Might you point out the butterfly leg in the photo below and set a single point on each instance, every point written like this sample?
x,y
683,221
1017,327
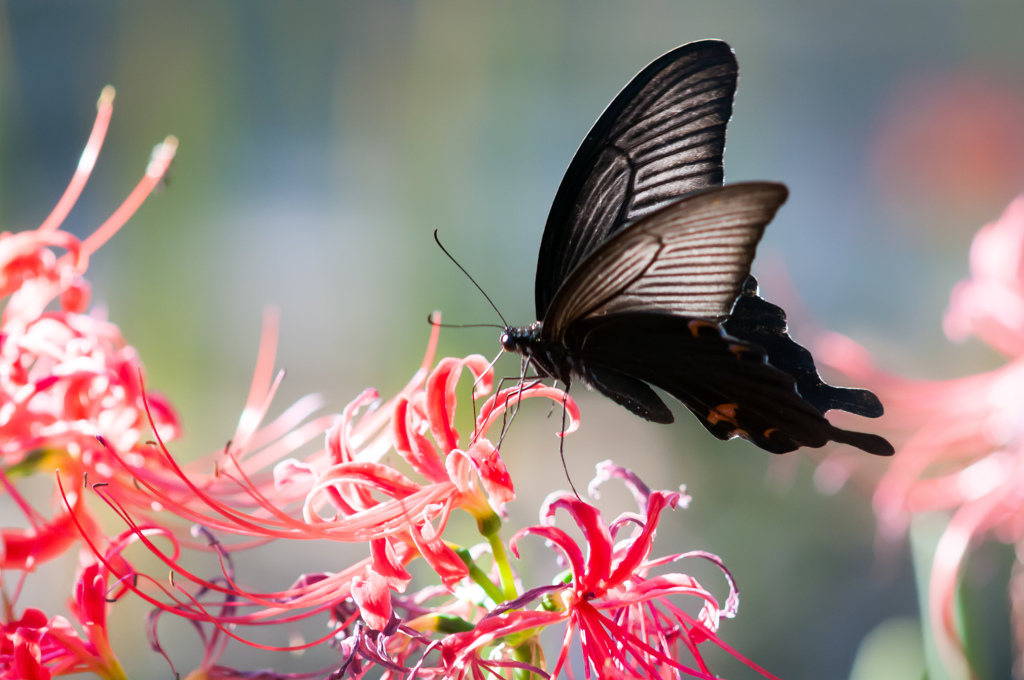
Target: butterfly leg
x,y
506,420
551,410
524,366
505,426
472,393
561,445
494,398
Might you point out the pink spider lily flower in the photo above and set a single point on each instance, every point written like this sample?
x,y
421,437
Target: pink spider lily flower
x,y
473,479
618,610
963,439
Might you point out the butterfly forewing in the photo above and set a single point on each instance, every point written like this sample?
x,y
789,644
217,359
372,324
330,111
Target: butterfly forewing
x,y
688,259
660,138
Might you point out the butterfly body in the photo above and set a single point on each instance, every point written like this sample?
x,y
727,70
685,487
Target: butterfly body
x,y
643,277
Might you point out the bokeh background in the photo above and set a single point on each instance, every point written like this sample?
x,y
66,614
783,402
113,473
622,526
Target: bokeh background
x,y
321,144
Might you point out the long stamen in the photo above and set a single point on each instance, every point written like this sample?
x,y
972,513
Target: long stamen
x,y
263,375
104,109
163,153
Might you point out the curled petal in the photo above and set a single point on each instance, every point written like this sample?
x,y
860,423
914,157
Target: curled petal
x,y
28,657
640,547
559,539
26,549
486,460
732,602
373,596
387,565
365,476
412,445
656,587
91,596
441,558
495,406
347,497
339,436
441,399
291,473
599,543
606,470
990,304
24,256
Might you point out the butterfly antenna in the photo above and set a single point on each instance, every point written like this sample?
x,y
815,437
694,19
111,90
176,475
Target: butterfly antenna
x,y
445,251
430,320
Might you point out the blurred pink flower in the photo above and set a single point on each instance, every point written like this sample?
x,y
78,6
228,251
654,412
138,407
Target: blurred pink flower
x,y
949,142
963,439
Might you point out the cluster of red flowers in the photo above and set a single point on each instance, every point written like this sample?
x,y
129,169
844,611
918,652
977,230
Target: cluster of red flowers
x,y
73,406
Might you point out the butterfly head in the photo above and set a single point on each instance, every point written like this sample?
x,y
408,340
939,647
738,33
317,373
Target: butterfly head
x,y
520,339
547,358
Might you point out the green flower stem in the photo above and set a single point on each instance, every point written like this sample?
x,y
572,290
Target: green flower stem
x,y
490,527
113,672
480,578
925,531
508,583
524,653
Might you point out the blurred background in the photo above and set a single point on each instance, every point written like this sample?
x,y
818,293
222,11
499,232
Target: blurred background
x,y
321,144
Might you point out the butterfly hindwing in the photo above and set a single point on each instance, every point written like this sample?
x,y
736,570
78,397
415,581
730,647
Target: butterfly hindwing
x,y
660,138
635,395
688,259
758,321
727,383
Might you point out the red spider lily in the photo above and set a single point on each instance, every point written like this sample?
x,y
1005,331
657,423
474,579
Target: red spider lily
x,y
66,378
370,502
34,648
627,626
964,442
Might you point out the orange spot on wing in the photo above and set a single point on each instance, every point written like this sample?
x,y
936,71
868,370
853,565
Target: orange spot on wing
x,y
723,413
698,326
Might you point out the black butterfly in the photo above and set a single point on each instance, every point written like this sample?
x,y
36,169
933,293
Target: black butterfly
x,y
644,272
